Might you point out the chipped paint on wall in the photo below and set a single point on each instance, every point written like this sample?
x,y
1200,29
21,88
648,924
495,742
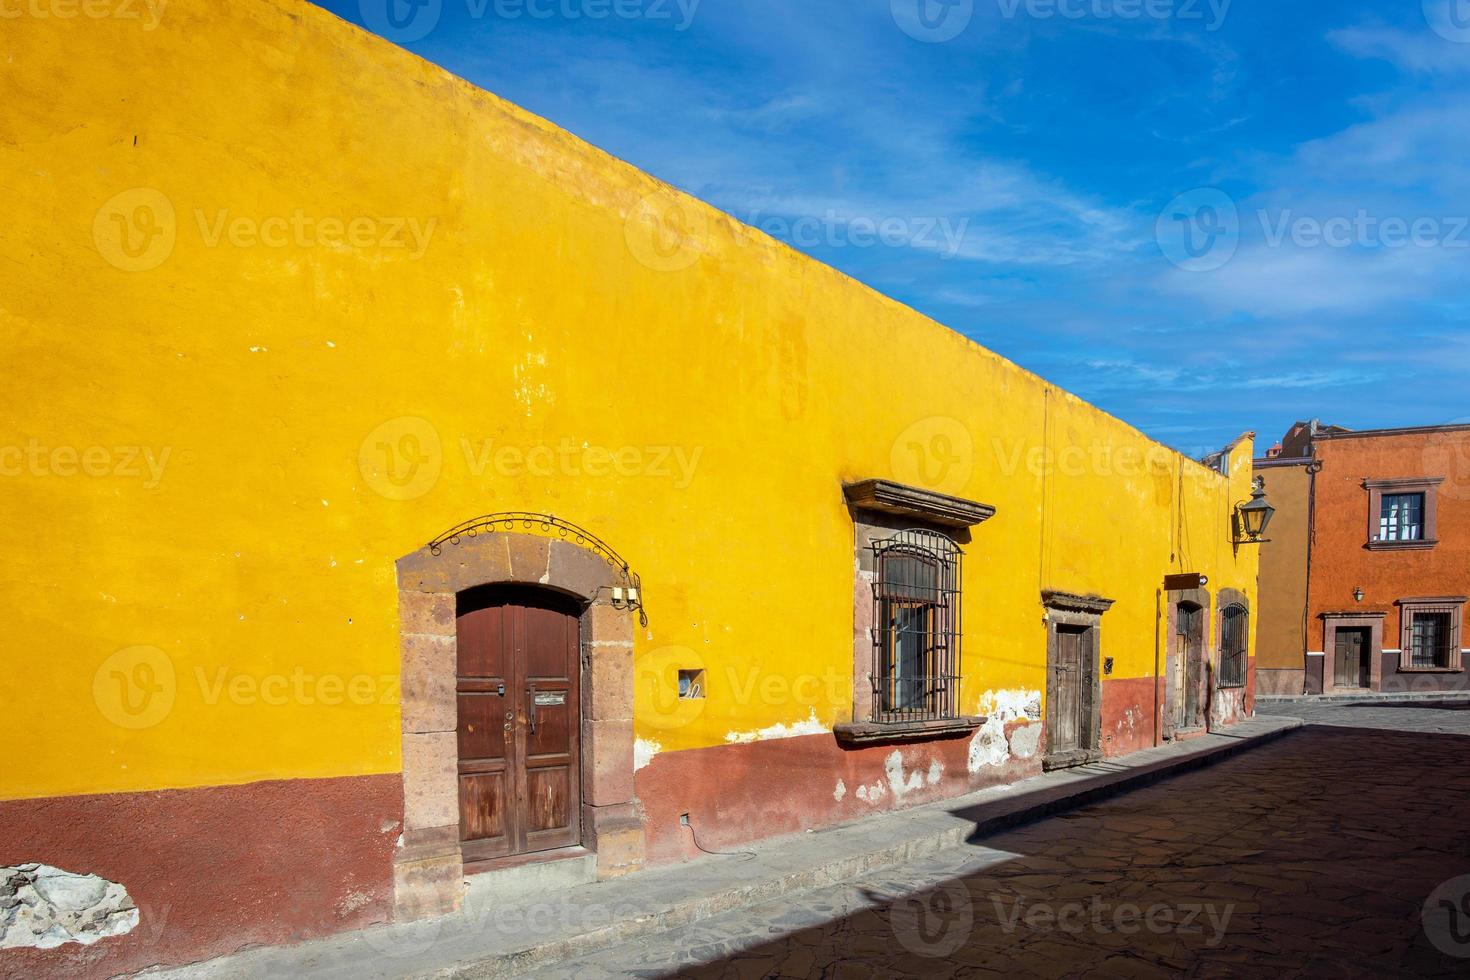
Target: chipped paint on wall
x,y
812,726
989,746
42,907
644,749
840,793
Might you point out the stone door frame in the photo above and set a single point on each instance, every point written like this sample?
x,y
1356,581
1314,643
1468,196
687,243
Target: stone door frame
x,y
1083,612
428,865
1173,661
1373,622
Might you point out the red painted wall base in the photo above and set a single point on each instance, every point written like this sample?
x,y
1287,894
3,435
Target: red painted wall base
x,y
213,870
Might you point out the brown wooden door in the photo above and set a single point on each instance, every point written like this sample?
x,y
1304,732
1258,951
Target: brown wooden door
x,y
519,724
1351,658
1068,699
1189,666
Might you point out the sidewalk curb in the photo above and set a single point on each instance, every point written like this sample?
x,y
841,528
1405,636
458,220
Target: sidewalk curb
x,y
510,941
915,848
1386,698
1127,783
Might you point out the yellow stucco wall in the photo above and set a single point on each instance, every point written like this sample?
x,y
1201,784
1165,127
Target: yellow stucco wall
x,y
195,419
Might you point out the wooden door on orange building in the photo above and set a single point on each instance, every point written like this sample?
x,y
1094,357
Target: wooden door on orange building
x,y
520,724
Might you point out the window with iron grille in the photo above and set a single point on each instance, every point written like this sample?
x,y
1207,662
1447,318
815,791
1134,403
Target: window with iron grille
x,y
1401,517
1234,646
916,631
1431,640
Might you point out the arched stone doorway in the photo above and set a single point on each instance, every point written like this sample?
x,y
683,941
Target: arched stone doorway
x,y
562,561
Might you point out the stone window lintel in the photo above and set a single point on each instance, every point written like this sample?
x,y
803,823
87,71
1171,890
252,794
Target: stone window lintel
x,y
887,497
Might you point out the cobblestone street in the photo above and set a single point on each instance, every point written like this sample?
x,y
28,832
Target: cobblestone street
x,y
1314,855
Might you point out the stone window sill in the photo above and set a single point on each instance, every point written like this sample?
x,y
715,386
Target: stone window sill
x,y
1431,670
872,732
1231,687
1402,545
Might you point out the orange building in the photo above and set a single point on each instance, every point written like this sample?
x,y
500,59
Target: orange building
x,y
1365,581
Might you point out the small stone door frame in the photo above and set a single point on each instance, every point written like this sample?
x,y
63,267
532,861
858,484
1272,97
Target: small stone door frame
x,y
1173,659
1085,612
1373,622
429,865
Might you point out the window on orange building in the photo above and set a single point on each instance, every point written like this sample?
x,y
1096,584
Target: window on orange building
x,y
1429,639
1401,517
1431,633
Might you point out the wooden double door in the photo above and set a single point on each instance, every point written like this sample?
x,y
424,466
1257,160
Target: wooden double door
x,y
520,722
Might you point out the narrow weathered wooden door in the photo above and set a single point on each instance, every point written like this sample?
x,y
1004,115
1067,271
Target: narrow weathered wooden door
x,y
1188,666
519,724
1068,701
1350,659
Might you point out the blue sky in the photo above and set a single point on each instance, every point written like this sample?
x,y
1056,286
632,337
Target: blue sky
x,y
1205,216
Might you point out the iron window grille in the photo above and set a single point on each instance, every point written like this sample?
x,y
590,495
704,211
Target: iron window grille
x,y
1234,646
916,632
1432,640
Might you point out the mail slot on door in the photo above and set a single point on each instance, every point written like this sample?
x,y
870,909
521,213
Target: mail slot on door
x,y
549,698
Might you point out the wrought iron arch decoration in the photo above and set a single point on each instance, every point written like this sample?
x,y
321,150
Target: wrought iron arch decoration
x,y
512,521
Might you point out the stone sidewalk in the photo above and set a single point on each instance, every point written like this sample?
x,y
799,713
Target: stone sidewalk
x,y
512,938
1373,697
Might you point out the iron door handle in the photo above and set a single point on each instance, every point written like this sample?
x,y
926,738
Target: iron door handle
x,y
531,707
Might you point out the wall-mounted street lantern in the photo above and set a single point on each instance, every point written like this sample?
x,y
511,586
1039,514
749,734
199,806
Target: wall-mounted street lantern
x,y
1254,516
1358,594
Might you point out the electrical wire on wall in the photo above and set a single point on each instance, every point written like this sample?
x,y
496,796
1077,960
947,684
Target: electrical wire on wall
x,y
1045,484
747,855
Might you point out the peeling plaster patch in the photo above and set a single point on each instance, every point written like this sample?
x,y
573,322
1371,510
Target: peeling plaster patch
x,y
529,390
1011,705
872,794
812,726
988,747
643,752
893,769
840,792
352,902
936,773
42,907
1026,742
